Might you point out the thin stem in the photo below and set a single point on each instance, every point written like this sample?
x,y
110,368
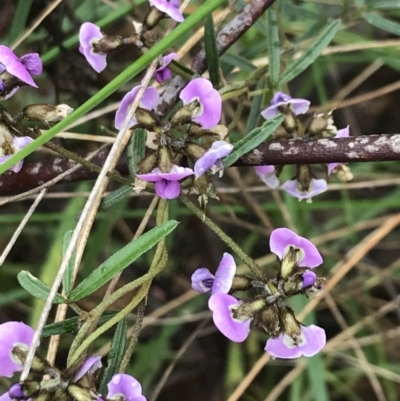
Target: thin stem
x,y
228,240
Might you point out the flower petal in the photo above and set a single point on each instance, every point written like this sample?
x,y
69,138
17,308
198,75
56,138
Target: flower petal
x,y
32,63
282,238
126,385
218,150
91,364
171,8
221,305
167,189
224,275
202,280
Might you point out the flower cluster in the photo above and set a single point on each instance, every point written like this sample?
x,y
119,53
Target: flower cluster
x,y
15,339
304,185
265,307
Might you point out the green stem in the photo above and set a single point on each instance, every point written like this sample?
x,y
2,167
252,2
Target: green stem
x,y
134,69
228,240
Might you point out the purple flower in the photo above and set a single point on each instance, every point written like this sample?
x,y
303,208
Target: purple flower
x,y
125,386
13,334
166,184
211,159
88,34
223,306
6,397
308,278
91,364
169,7
14,66
267,174
18,144
163,73
317,186
32,63
342,133
298,106
204,281
310,341
283,239
209,112
148,101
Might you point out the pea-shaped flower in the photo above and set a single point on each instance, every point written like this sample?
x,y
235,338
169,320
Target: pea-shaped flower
x,y
267,174
316,187
17,144
169,7
208,113
298,106
123,387
163,73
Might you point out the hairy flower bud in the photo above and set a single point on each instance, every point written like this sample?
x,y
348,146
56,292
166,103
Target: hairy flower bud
x,y
184,114
194,151
147,120
148,163
241,283
46,112
81,394
153,18
321,123
247,310
165,160
269,320
289,119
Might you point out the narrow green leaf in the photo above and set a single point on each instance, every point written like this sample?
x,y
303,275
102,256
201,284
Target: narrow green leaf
x,y
273,48
37,288
384,4
19,21
121,259
210,47
242,63
382,23
115,355
68,275
72,324
253,139
311,54
256,106
116,196
136,150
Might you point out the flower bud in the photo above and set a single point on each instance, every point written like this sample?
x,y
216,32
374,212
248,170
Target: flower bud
x,y
153,18
166,163
46,112
148,163
321,123
290,325
289,119
247,310
25,390
304,176
241,283
185,113
39,365
80,394
146,119
269,320
344,173
107,44
194,151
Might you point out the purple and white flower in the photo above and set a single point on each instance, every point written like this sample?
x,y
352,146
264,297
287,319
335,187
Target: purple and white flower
x,y
124,387
163,73
148,101
167,184
298,106
20,68
91,364
222,306
282,240
342,133
13,334
308,279
208,113
310,341
204,281
267,174
169,7
317,186
17,144
211,160
88,34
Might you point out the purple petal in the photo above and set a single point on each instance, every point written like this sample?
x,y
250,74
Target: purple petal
x,y
343,133
298,106
313,337
202,280
168,7
148,101
267,175
19,71
221,305
91,364
16,391
177,173
309,278
331,167
167,189
218,150
282,238
32,63
125,385
13,334
317,186
88,34
224,274
163,73
19,143
209,113
7,56
6,397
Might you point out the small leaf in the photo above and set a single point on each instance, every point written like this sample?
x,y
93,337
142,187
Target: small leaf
x,y
383,23
72,324
116,196
311,54
136,150
210,47
253,139
121,259
37,288
274,51
115,355
68,275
